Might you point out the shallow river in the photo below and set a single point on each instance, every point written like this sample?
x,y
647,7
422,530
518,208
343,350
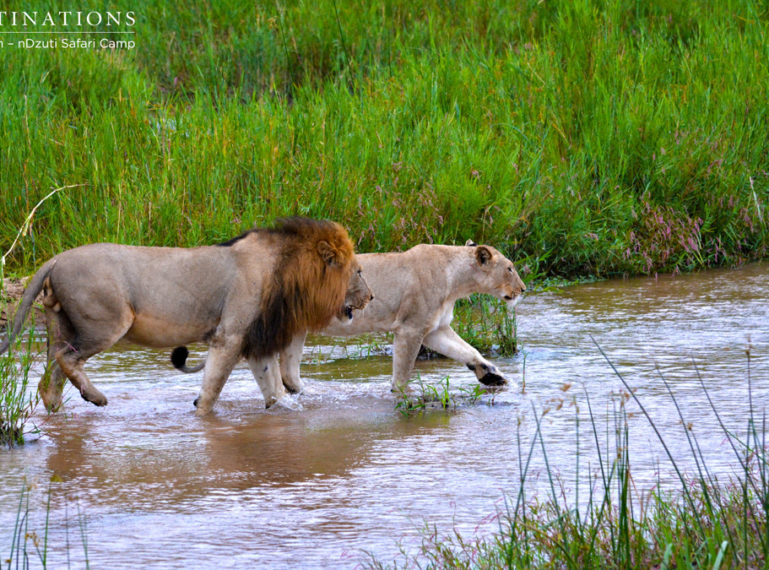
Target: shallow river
x,y
149,485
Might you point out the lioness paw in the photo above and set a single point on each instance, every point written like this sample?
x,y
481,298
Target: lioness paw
x,y
492,379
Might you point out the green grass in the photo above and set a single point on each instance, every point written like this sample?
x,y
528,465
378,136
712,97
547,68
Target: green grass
x,y
422,396
17,400
486,324
581,138
704,522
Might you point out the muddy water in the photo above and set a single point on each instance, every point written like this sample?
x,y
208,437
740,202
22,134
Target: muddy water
x,y
344,473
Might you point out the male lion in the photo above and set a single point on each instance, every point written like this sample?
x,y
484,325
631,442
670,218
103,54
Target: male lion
x,y
414,295
245,298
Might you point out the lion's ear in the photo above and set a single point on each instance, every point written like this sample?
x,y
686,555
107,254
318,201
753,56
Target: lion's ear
x,y
327,253
483,254
470,243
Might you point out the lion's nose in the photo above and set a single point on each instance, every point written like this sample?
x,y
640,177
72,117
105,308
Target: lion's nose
x,y
371,298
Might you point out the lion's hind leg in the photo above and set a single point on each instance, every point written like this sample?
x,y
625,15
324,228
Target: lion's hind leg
x,y
71,360
51,385
87,340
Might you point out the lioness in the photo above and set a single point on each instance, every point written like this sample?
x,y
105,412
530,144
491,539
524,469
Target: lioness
x,y
245,298
414,295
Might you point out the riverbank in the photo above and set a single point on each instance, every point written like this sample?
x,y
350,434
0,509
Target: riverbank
x,y
579,139
10,294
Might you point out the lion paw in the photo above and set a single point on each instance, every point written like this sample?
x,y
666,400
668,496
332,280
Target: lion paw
x,y
95,397
286,403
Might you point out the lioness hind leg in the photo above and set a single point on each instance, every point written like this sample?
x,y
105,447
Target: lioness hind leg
x,y
405,351
447,342
267,374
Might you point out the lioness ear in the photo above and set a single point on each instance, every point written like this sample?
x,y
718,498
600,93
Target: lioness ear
x,y
471,243
327,253
483,254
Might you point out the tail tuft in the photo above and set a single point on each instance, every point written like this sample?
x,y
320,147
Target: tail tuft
x,y
179,357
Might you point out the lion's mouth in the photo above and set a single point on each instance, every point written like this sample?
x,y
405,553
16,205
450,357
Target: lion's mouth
x,y
348,312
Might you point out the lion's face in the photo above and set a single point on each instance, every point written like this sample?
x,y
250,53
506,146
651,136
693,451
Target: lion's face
x,y
497,275
358,293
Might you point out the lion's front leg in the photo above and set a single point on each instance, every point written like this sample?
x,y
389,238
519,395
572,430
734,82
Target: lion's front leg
x,y
290,362
221,359
267,374
447,342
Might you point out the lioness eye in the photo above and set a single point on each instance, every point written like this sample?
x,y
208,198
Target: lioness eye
x,y
510,269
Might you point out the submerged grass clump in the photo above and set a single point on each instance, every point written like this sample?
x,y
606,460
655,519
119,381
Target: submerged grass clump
x,y
706,523
486,324
436,396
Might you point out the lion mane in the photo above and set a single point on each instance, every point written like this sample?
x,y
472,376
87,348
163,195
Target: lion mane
x,y
308,291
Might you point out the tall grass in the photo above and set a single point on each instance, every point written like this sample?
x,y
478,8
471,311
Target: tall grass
x,y
17,400
579,137
487,325
706,523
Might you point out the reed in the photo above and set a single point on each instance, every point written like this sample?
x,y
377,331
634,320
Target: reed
x,y
31,548
17,399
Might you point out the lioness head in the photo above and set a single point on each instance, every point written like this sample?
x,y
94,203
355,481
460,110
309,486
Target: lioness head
x,y
358,293
496,275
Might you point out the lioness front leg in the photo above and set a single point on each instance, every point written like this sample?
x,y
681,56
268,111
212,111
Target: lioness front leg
x,y
267,374
219,364
405,351
447,342
290,361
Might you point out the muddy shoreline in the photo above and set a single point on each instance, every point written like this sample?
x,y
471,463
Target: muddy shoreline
x,y
10,296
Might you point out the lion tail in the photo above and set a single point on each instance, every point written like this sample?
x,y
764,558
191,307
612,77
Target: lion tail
x,y
30,294
179,360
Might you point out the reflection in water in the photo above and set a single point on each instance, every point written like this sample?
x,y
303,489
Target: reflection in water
x,y
348,473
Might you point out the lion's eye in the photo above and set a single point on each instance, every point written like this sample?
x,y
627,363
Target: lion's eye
x,y
510,269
